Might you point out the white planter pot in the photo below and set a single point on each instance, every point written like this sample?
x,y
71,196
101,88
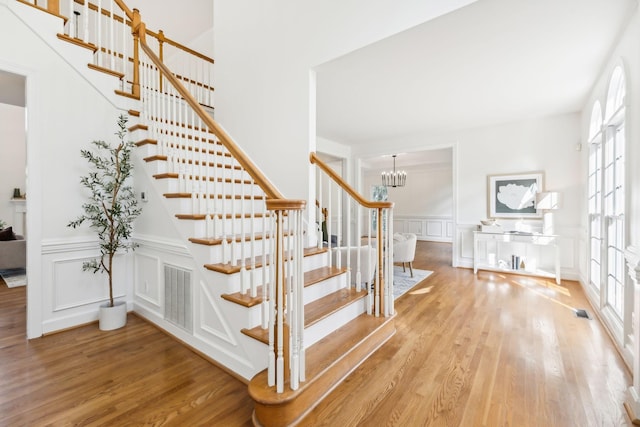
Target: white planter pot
x,y
111,318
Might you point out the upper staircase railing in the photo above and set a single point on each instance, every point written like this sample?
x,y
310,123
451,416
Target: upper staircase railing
x,y
360,247
104,26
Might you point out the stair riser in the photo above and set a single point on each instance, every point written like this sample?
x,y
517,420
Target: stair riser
x,y
174,185
311,293
214,255
163,166
184,205
217,227
324,288
319,330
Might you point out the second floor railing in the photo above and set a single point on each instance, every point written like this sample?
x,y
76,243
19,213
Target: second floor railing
x,y
105,27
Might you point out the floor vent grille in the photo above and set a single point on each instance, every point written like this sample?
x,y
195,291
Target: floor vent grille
x,y
582,313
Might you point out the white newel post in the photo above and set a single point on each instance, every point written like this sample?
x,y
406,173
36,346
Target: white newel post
x,y
632,399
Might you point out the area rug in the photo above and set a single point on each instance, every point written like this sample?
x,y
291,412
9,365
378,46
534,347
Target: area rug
x,y
14,277
402,281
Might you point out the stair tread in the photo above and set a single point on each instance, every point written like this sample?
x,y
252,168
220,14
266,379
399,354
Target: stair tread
x,y
138,126
173,175
228,268
149,141
78,42
310,278
214,241
326,355
105,70
159,157
315,310
198,217
211,196
127,94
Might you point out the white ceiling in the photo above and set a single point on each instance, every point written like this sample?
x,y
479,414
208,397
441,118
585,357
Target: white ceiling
x,y
494,61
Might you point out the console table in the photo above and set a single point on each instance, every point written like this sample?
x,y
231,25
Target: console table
x,y
496,263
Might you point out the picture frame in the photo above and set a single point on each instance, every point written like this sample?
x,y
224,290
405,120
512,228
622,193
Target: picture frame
x,y
514,196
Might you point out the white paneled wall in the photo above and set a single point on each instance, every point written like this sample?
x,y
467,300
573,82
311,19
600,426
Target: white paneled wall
x,y
432,228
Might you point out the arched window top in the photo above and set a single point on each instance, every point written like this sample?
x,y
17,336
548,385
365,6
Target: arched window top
x,y
616,92
595,125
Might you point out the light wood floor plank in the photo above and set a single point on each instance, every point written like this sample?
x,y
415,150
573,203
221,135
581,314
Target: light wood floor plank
x,y
486,350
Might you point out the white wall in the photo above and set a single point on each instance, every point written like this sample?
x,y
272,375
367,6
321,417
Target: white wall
x,y
189,23
265,52
13,158
428,191
544,144
59,294
424,206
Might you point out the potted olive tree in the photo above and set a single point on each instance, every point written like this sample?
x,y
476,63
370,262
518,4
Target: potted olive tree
x,y
110,211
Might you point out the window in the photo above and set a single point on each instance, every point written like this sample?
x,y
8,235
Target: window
x,y
606,194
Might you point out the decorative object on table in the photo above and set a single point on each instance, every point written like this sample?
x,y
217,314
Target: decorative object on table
x,y
16,193
514,196
394,178
547,202
490,225
111,210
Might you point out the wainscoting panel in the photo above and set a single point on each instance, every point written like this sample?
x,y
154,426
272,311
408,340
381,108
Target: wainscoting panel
x,y
431,228
74,288
146,288
71,296
212,320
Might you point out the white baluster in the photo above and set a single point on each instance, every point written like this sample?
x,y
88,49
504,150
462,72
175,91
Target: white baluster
x,y
85,23
111,46
369,263
389,304
125,38
252,242
98,27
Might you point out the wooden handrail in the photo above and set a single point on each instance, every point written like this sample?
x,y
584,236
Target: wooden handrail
x,y
159,35
346,187
124,7
261,180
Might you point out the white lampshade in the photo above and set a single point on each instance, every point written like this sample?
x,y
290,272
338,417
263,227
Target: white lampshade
x,y
548,200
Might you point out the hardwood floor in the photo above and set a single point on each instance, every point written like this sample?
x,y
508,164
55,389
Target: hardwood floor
x,y
491,350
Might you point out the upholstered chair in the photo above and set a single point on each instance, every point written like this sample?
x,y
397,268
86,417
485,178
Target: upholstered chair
x,y
404,249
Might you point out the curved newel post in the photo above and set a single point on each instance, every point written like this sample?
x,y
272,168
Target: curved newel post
x,y
286,324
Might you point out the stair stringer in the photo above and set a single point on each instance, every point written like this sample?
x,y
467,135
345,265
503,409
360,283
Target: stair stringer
x,y
46,27
214,332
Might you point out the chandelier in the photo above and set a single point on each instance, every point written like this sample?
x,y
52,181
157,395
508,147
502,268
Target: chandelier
x,y
395,178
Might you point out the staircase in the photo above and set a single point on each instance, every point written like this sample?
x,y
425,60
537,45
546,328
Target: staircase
x,y
305,319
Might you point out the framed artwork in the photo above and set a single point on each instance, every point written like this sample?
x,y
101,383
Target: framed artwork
x,y
514,196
